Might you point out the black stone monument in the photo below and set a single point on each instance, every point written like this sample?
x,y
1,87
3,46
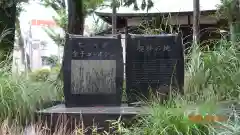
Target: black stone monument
x,y
93,71
153,61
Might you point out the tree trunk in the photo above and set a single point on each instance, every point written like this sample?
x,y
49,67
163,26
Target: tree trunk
x,y
75,23
196,15
114,17
75,17
7,22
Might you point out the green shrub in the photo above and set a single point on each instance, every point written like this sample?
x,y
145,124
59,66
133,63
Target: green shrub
x,y
56,69
40,75
216,71
21,97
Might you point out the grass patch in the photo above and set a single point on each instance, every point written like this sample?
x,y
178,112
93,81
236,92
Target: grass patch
x,y
20,96
211,78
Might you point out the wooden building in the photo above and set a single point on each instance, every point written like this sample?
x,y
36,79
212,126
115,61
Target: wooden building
x,y
168,16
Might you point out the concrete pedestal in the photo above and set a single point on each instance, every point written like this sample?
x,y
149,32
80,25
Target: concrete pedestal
x,y
87,117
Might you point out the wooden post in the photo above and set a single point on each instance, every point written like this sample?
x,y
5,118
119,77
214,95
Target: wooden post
x,y
114,17
196,16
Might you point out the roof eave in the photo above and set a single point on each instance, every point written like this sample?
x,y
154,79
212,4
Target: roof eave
x,y
130,15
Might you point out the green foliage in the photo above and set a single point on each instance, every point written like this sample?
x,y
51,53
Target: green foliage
x,y
89,6
229,9
21,97
56,69
4,33
59,6
10,3
55,36
145,4
51,61
61,19
215,71
40,75
167,121
99,26
7,22
158,25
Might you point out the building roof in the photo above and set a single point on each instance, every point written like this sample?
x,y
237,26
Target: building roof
x,y
163,7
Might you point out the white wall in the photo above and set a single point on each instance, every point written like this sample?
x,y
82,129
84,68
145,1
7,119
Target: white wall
x,y
175,20
30,33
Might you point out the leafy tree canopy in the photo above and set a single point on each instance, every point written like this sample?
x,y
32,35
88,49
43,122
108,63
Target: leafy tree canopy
x,y
10,3
91,5
145,4
229,9
88,8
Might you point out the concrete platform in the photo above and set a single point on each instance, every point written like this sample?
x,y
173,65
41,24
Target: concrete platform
x,y
87,116
122,110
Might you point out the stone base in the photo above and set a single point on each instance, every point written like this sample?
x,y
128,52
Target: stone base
x,y
84,117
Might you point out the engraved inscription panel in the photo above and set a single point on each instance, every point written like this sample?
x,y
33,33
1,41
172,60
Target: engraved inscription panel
x,y
161,71
93,76
154,61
